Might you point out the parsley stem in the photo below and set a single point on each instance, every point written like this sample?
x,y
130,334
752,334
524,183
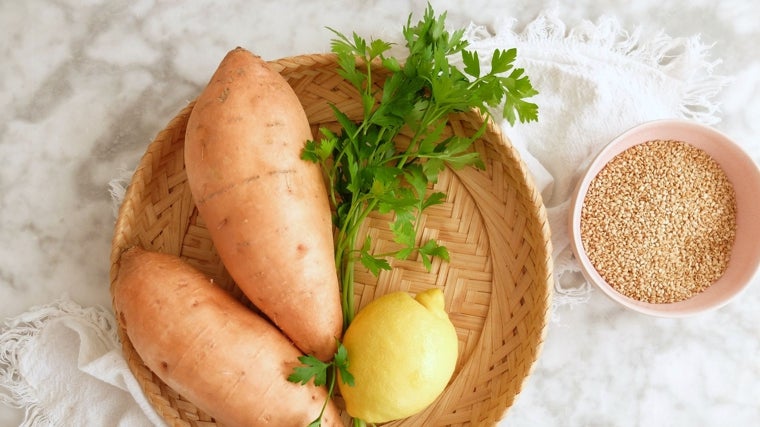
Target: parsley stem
x,y
424,124
345,247
330,390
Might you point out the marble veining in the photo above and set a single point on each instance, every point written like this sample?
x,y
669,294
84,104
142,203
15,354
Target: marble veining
x,y
85,86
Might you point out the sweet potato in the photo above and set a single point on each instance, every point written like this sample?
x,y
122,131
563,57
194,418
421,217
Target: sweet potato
x,y
223,357
266,209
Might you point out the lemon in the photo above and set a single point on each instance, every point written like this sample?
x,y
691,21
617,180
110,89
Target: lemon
x,y
402,352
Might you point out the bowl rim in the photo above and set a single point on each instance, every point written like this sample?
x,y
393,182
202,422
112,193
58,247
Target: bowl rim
x,y
667,128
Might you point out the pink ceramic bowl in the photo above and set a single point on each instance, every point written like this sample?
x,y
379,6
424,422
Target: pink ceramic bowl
x,y
744,176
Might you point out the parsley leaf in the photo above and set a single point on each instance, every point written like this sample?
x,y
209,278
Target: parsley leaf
x,y
312,368
341,362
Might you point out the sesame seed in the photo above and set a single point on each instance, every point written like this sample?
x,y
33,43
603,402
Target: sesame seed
x,y
659,220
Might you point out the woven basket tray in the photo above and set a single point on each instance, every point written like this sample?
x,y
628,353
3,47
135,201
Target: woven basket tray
x,y
497,284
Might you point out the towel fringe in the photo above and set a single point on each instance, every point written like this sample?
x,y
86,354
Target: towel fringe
x,y
17,335
681,58
117,189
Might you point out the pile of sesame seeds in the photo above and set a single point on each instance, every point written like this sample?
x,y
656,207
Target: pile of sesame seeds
x,y
659,221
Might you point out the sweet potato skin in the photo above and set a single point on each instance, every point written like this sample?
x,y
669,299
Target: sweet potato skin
x,y
207,346
267,210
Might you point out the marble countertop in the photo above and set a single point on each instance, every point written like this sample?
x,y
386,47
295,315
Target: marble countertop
x,y
86,85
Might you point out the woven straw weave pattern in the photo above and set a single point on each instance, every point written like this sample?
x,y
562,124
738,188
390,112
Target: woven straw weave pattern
x,y
497,284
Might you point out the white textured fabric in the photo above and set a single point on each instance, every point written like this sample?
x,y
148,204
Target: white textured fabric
x,y
63,364
595,81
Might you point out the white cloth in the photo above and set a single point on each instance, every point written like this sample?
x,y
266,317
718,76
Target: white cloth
x,y
595,81
63,364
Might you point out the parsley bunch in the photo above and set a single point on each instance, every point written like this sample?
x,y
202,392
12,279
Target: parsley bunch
x,y
385,161
367,167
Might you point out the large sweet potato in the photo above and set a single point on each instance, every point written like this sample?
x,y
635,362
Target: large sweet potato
x,y
266,209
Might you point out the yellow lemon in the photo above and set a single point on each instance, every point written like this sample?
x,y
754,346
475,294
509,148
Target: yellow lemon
x,y
402,352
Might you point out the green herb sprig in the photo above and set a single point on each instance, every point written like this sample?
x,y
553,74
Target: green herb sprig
x,y
313,369
368,168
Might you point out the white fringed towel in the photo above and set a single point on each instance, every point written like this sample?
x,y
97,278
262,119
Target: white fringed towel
x,y
63,365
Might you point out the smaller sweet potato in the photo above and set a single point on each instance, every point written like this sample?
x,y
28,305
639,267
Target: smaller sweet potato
x,y
207,346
